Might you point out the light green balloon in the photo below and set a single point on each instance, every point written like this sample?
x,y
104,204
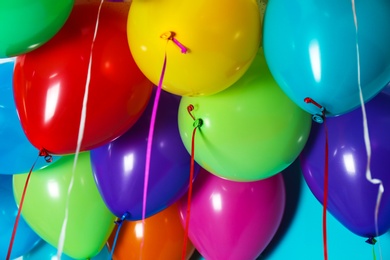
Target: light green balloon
x,y
27,24
250,131
89,224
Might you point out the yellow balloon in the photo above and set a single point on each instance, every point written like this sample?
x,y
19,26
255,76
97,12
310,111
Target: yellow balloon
x,y
222,38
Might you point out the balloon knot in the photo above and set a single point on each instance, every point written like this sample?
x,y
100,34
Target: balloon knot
x,y
124,216
371,241
48,158
316,117
171,36
198,122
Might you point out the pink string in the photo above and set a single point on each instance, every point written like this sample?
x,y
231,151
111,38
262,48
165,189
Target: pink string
x,y
149,145
151,128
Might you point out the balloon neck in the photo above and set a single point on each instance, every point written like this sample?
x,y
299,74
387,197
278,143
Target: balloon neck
x,y
371,241
171,36
44,153
318,118
123,218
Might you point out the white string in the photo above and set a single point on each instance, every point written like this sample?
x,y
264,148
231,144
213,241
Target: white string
x,y
61,241
367,142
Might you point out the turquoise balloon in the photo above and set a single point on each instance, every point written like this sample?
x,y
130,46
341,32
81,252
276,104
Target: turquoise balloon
x,y
25,238
313,50
17,154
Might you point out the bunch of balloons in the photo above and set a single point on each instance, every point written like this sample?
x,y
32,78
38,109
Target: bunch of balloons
x,y
127,127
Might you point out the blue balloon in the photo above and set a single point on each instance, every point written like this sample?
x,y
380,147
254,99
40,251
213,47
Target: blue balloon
x,y
300,233
25,237
311,48
17,154
45,251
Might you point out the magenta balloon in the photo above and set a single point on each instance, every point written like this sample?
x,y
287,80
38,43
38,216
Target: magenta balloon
x,y
233,220
119,167
352,198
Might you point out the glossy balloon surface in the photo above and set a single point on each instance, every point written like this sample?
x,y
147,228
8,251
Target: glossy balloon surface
x,y
222,38
314,49
352,198
53,85
89,221
26,25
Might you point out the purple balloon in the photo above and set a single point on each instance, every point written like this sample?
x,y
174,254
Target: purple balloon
x,y
119,167
351,197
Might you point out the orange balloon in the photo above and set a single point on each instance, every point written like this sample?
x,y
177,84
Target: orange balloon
x,y
163,238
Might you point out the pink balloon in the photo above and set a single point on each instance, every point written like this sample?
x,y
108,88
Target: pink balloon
x,y
233,220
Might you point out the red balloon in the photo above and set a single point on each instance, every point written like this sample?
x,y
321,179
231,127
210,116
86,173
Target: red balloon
x,y
50,82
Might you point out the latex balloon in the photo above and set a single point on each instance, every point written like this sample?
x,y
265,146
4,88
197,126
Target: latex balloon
x,y
89,221
46,251
17,153
300,233
50,83
119,167
251,131
222,38
162,234
314,50
25,237
387,89
233,220
26,25
352,198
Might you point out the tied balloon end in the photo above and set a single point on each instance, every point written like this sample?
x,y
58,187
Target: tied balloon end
x,y
123,218
45,154
371,241
171,36
198,122
318,118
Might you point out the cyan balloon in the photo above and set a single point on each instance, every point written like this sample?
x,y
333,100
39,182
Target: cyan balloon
x,y
17,153
25,237
312,48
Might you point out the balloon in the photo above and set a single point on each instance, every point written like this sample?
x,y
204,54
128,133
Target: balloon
x,y
163,237
233,220
387,89
17,153
44,251
50,82
312,48
119,167
352,198
222,38
251,130
26,25
300,233
89,221
25,237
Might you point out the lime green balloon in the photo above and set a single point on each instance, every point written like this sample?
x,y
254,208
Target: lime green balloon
x,y
250,131
27,24
89,224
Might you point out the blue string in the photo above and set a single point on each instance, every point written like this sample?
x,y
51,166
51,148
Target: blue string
x,y
119,223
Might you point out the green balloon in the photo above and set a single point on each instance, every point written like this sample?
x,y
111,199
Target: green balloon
x,y
27,24
251,131
89,224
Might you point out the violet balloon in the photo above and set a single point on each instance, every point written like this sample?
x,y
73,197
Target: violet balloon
x,y
233,220
119,167
352,198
